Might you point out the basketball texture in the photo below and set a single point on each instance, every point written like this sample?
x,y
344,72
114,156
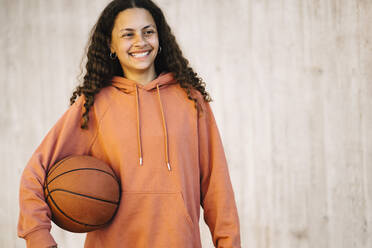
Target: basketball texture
x,y
82,192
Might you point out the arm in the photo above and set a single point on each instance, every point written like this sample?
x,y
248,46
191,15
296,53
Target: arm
x,y
217,196
65,138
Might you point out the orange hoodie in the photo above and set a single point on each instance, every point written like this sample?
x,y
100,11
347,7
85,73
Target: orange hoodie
x,y
169,162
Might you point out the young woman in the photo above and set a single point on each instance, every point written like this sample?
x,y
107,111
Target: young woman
x,y
144,111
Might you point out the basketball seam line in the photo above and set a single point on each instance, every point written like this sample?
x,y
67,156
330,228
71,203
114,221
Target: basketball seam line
x,y
81,223
87,196
57,165
82,169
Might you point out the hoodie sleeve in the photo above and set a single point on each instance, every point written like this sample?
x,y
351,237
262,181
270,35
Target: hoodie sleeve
x,y
217,196
65,138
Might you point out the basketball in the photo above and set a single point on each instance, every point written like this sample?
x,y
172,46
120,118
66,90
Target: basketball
x,y
83,193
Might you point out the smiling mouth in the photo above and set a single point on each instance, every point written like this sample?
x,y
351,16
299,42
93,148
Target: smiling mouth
x,y
140,55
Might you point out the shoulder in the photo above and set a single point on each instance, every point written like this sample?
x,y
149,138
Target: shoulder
x,y
100,105
204,105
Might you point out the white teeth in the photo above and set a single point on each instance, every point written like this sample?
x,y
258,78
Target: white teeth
x,y
140,55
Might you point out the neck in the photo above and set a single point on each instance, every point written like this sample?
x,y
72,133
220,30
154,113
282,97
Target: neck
x,y
140,76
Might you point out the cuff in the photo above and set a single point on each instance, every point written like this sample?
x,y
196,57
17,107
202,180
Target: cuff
x,y
40,238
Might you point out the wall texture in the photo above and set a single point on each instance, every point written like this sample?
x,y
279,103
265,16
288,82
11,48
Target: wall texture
x,y
291,81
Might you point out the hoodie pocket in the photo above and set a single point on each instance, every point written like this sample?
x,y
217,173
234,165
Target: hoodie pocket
x,y
154,219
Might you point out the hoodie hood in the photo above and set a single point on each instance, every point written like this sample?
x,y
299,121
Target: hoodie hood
x,y
128,86
163,80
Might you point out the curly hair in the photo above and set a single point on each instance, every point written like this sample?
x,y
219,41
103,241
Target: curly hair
x,y
100,68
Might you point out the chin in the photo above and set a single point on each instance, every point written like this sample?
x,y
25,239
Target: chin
x,y
143,67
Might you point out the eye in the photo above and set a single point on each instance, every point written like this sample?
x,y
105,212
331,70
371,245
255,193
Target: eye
x,y
149,32
127,35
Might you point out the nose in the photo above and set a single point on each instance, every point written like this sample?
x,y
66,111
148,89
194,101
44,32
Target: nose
x,y
139,40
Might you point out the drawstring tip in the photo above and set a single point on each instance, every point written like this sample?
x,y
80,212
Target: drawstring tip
x,y
140,160
168,166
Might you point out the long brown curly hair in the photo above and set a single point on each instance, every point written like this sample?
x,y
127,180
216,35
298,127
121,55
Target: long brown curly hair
x,y
100,68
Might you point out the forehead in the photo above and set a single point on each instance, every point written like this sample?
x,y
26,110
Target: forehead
x,y
133,18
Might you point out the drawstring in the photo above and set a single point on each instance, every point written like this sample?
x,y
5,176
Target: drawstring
x,y
164,129
138,129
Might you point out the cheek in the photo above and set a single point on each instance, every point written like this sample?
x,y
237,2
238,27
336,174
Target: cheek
x,y
124,47
154,41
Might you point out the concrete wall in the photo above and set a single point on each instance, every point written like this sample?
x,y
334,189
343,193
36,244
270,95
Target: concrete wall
x,y
291,81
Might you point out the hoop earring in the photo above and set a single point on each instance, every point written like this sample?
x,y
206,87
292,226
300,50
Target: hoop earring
x,y
159,49
113,56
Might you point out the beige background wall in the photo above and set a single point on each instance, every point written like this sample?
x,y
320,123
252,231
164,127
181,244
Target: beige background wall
x,y
292,86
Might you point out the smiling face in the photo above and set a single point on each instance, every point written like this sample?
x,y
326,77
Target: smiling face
x,y
134,39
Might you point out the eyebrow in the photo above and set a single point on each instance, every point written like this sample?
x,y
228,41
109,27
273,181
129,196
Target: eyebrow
x,y
131,29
